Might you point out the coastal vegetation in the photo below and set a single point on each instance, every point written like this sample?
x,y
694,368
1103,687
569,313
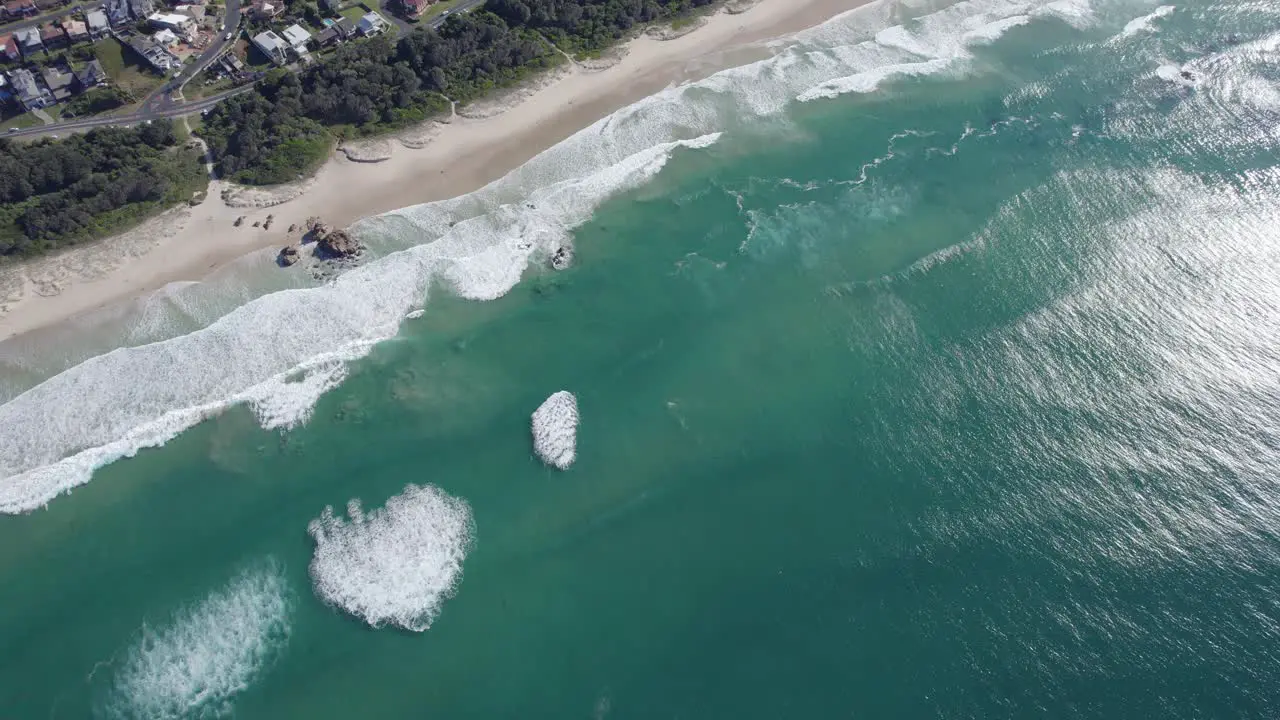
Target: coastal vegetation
x,y
285,128
56,193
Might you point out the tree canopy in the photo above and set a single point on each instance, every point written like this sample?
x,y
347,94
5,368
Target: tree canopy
x,y
54,193
284,128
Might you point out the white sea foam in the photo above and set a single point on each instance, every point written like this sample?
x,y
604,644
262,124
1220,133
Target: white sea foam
x,y
931,45
193,666
396,565
869,81
555,430
112,405
1146,23
281,352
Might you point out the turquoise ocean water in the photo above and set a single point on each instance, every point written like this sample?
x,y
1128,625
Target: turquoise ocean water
x,y
926,369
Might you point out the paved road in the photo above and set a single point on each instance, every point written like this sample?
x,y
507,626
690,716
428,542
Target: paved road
x,y
162,104
7,28
163,99
464,6
177,109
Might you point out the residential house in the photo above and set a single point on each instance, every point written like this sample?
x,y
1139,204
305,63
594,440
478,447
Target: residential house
x,y
266,9
170,21
15,9
52,36
30,93
415,8
60,83
97,23
140,9
155,55
297,38
371,24
76,31
117,11
28,40
9,49
232,64
195,12
91,75
346,28
328,36
273,46
165,38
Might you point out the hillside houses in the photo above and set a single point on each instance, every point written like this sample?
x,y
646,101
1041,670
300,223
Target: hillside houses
x,y
17,9
32,88
29,92
157,56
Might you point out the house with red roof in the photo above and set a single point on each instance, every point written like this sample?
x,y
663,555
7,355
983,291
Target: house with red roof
x,y
15,9
415,8
52,36
9,49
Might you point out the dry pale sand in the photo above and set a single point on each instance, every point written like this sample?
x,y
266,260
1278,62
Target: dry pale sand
x,y
435,162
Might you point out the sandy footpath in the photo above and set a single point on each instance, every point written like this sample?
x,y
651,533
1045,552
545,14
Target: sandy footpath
x,y
433,162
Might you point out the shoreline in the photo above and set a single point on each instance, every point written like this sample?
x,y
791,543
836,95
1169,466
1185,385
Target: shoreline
x,y
436,161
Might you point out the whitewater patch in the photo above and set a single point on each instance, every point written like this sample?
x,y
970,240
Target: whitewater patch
x,y
1146,23
396,565
555,430
937,43
281,352
194,665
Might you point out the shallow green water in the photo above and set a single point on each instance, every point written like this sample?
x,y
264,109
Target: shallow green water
x,y
954,399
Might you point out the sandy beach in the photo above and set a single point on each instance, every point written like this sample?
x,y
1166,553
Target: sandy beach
x,y
438,161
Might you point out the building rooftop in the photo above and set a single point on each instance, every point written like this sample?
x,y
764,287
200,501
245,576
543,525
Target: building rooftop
x,y
372,22
27,37
75,27
172,19
272,44
295,35
92,74
96,19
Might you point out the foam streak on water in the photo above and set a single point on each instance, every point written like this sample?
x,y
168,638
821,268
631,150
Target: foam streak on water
x,y
195,664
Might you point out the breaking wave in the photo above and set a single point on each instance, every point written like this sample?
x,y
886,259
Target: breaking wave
x,y
281,352
396,565
194,666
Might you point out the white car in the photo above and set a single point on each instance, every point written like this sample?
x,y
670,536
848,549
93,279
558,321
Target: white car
x,y
228,36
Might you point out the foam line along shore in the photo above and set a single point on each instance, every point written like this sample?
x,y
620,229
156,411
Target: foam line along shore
x,y
190,243
280,352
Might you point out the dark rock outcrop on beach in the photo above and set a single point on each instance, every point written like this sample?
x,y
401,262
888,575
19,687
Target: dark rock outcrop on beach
x,y
337,245
288,256
562,258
